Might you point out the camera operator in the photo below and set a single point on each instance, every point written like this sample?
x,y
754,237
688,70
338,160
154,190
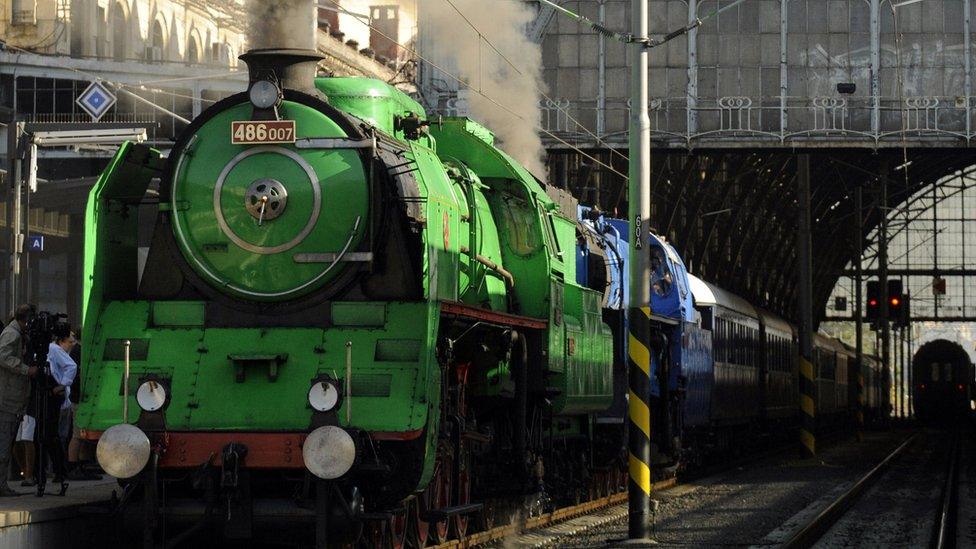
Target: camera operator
x,y
63,371
14,388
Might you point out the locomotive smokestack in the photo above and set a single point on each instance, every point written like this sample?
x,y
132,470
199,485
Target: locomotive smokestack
x,y
283,42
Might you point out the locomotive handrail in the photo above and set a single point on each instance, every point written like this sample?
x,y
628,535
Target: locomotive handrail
x,y
335,143
332,257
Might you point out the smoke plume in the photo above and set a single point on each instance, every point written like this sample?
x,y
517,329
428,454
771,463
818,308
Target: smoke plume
x,y
282,24
456,47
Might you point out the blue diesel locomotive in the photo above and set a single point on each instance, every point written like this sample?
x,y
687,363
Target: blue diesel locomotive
x,y
733,367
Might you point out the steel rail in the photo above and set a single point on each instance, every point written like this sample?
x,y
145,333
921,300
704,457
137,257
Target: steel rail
x,y
501,532
944,535
825,519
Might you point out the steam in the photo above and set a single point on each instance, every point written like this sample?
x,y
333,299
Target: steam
x,y
282,24
456,47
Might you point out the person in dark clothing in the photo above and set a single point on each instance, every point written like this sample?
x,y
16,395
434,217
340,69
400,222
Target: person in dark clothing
x,y
14,388
57,384
69,427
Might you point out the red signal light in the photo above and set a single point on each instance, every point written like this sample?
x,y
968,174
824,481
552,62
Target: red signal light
x,y
960,387
922,387
873,302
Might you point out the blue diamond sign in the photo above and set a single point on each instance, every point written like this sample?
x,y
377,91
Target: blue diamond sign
x,y
96,100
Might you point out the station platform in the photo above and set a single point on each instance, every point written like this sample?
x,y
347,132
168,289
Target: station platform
x,y
52,520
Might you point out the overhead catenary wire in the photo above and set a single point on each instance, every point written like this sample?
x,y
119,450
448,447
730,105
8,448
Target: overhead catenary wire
x,y
539,90
461,82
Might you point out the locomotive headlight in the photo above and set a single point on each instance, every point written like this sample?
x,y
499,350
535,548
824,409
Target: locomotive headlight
x,y
123,450
324,395
151,396
264,94
329,452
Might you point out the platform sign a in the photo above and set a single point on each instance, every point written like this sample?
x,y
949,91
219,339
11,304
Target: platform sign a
x,y
96,100
35,243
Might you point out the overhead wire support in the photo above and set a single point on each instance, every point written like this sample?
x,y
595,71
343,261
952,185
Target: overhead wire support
x,y
629,38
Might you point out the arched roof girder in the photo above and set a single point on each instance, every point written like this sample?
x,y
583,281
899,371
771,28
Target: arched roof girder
x,y
751,249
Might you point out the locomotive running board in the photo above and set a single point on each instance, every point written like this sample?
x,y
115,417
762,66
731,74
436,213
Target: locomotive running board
x,y
453,308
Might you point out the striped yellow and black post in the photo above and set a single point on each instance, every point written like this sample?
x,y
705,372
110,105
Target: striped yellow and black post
x,y
808,407
639,414
804,256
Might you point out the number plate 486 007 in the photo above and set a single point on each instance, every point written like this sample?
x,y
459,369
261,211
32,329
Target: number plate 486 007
x,y
253,133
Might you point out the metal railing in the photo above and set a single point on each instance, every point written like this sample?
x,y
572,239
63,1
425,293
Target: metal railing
x,y
801,120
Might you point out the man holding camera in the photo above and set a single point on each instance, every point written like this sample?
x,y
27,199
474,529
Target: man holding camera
x,y
14,388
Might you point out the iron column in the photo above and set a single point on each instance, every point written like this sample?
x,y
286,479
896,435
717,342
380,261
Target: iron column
x,y
15,131
692,91
859,308
601,94
911,371
875,67
639,355
804,255
883,284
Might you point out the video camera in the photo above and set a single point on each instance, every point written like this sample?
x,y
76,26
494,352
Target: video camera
x,y
42,328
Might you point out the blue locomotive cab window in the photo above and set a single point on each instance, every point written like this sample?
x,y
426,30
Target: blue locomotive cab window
x,y
661,278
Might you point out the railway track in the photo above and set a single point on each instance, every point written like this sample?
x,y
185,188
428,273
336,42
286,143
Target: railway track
x,y
499,533
852,518
945,534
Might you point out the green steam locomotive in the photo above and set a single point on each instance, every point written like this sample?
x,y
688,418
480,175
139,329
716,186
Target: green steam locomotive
x,y
324,307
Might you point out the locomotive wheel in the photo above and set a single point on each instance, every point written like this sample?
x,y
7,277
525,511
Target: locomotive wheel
x,y
459,523
441,498
418,528
398,528
487,515
375,534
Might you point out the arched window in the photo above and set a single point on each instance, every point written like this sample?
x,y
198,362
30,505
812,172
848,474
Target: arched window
x,y
158,36
80,27
192,52
157,44
119,28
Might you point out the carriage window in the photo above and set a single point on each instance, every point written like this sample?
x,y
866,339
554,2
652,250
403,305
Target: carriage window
x,y
720,355
947,371
935,371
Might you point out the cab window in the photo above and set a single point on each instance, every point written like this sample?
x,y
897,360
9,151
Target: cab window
x,y
661,278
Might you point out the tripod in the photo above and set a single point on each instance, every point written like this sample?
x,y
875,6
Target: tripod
x,y
47,408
